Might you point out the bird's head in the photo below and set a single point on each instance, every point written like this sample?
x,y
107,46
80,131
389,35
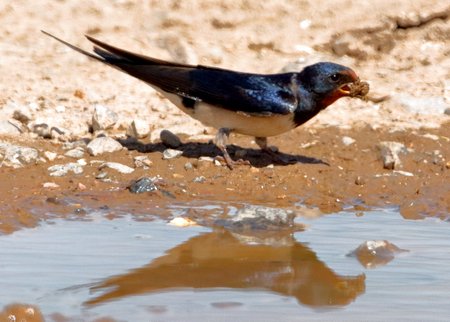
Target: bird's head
x,y
329,82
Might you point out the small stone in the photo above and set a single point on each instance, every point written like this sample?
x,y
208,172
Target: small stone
x,y
138,129
82,162
431,136
199,179
390,154
217,163
60,109
16,156
142,161
373,253
404,173
359,181
60,170
50,185
188,166
103,145
254,170
78,93
76,153
260,218
81,186
23,116
169,139
41,129
447,111
51,156
346,140
74,144
117,166
101,175
8,128
103,118
171,154
143,185
206,159
182,222
305,24
422,105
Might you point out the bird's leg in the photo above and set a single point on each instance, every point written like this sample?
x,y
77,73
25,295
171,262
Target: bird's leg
x,y
272,151
221,142
262,143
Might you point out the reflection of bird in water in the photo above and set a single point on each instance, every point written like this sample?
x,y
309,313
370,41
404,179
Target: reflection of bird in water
x,y
219,260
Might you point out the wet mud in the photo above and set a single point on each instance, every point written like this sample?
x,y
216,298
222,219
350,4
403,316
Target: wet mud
x,y
329,176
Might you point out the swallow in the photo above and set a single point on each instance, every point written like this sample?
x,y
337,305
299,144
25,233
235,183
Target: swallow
x,y
258,105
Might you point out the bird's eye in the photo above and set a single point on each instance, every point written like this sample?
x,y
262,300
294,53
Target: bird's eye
x,y
335,77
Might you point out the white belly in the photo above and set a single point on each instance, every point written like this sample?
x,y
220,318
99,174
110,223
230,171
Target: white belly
x,y
258,126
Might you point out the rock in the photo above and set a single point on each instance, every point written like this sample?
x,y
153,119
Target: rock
x,y
103,118
81,186
117,166
188,166
206,159
45,130
305,24
24,116
390,153
260,218
76,153
373,253
142,161
447,111
138,129
171,154
182,222
359,181
82,162
50,155
346,140
103,145
60,170
145,184
60,109
16,156
431,136
74,144
199,179
8,128
169,139
422,105
50,185
101,175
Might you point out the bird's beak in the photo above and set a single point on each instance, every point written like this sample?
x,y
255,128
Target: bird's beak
x,y
346,89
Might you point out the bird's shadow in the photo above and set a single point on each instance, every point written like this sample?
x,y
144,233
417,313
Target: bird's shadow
x,y
254,157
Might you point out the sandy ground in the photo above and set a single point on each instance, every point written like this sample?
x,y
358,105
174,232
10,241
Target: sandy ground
x,y
402,50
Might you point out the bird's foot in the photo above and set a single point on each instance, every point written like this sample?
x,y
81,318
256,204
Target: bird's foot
x,y
230,163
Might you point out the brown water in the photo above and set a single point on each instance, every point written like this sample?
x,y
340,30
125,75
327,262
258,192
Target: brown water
x,y
149,271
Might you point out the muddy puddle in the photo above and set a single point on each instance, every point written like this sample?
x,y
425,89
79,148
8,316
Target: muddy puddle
x,y
123,269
